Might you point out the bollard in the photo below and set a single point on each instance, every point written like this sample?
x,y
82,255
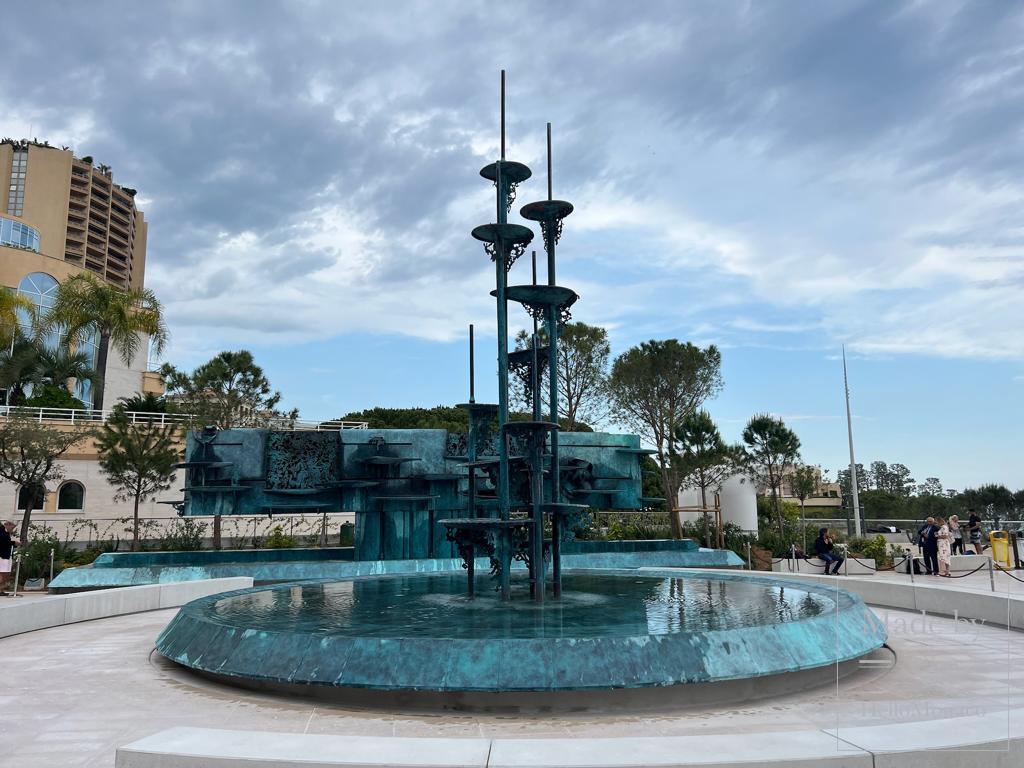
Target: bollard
x,y
792,559
846,562
749,566
17,574
51,566
991,577
910,567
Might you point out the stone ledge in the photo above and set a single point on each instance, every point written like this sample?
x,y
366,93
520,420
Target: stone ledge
x,y
200,747
812,565
1000,744
1000,608
56,610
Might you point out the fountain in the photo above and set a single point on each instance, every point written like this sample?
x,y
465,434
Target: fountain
x,y
539,636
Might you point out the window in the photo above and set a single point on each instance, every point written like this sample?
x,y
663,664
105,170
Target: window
x,y
18,235
19,166
23,498
41,288
71,497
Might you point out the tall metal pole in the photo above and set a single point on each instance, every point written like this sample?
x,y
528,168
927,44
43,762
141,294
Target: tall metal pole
x,y
552,318
853,461
501,275
471,440
472,377
549,162
535,375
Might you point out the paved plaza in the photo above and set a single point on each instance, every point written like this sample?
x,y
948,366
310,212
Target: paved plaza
x,y
73,694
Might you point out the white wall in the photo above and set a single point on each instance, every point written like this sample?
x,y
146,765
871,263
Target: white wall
x,y
738,498
123,380
99,503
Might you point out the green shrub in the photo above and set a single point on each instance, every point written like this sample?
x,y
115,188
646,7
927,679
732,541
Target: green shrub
x,y
35,555
877,549
638,526
53,396
183,535
278,540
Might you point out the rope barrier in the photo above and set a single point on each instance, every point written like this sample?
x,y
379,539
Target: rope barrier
x,y
962,575
1007,573
892,567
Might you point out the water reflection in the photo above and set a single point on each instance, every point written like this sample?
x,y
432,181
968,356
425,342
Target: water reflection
x,y
593,605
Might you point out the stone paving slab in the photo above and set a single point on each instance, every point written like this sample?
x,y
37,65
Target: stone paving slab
x,y
992,741
200,747
797,749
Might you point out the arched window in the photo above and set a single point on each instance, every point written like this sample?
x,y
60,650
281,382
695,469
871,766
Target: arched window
x,y
23,498
71,497
41,288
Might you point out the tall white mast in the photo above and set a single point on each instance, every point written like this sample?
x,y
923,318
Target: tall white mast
x,y
853,461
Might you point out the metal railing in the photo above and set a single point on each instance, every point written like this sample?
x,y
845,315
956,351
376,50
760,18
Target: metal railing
x,y
77,416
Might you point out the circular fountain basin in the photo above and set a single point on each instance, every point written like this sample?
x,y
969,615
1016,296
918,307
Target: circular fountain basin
x,y
609,630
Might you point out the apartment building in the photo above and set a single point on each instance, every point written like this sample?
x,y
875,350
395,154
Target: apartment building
x,y
62,215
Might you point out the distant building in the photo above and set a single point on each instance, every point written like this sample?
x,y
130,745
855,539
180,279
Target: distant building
x,y
61,216
738,500
826,501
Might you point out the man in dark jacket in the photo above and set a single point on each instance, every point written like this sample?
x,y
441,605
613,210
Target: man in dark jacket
x,y
823,546
928,541
7,545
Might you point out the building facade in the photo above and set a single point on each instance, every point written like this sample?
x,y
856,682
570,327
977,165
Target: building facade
x,y
60,216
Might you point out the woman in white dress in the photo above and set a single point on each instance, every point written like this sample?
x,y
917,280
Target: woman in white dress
x,y
945,540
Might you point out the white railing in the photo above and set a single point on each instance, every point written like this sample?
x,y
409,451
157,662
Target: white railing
x,y
317,426
77,416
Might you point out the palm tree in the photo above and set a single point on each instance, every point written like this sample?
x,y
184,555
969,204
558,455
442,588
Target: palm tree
x,y
13,309
18,367
59,366
85,304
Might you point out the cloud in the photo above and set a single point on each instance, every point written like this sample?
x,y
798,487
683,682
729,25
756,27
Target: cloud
x,y
743,175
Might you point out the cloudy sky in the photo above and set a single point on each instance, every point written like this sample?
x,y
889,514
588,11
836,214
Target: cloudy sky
x,y
775,178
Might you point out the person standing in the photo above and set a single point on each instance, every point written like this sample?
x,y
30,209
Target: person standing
x,y
823,546
927,540
956,544
974,530
7,545
943,546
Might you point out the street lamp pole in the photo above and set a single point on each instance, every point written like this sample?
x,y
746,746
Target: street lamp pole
x,y
853,461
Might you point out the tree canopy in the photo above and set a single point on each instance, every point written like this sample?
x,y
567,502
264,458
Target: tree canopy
x,y
583,355
448,417
228,391
703,460
771,446
137,459
85,304
654,386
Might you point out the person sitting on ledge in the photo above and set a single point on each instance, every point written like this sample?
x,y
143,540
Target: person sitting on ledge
x,y
823,548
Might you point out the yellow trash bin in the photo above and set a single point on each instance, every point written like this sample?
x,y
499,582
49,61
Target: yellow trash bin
x,y
1000,542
